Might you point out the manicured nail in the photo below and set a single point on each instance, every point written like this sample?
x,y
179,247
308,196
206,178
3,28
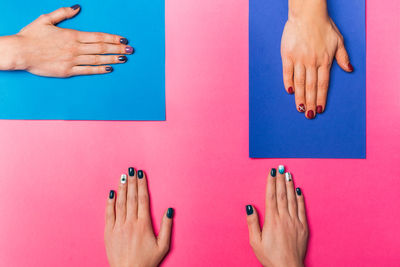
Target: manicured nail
x,y
319,109
288,177
123,41
140,174
298,191
170,213
123,178
302,108
290,90
129,49
109,69
310,114
281,169
351,68
112,194
75,7
273,172
131,171
122,58
249,210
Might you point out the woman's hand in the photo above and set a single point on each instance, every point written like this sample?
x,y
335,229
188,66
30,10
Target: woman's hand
x,y
310,42
283,238
44,49
129,236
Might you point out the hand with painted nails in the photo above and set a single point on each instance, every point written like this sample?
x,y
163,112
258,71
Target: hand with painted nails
x,y
310,42
44,49
129,237
282,241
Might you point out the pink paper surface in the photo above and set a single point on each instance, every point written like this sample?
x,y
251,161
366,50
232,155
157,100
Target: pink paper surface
x,y
55,175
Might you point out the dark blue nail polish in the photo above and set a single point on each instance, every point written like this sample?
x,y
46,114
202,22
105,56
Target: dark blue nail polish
x,y
170,213
109,69
273,172
298,191
75,7
122,58
131,171
140,174
129,50
249,210
123,41
112,194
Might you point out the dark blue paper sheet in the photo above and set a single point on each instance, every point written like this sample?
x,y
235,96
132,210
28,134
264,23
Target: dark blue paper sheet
x,y
277,130
134,91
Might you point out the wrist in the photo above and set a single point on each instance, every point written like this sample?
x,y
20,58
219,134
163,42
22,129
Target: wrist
x,y
307,9
11,53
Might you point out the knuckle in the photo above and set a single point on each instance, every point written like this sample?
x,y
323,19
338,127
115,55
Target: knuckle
x,y
96,60
326,59
143,198
253,242
271,196
120,204
98,36
282,196
323,84
299,81
44,17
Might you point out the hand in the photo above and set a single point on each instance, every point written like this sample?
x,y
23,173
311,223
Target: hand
x,y
283,239
310,41
129,236
48,50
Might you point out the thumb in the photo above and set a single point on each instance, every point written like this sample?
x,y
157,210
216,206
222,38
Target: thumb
x,y
342,58
254,226
63,14
164,236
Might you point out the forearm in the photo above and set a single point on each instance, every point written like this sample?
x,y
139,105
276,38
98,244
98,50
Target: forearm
x,y
11,53
309,8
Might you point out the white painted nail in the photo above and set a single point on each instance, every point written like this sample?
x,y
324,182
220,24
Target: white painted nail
x,y
281,169
288,176
123,178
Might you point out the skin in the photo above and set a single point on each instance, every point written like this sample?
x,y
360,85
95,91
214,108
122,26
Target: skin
x,y
44,49
129,237
282,241
310,42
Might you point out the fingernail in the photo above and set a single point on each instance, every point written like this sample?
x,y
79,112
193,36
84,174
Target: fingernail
x,y
351,68
109,69
273,172
288,177
290,90
75,7
123,41
249,210
129,49
122,58
298,191
112,194
123,178
170,213
302,108
131,171
310,114
140,174
281,169
319,109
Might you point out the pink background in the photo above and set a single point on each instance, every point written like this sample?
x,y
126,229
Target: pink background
x,y
55,175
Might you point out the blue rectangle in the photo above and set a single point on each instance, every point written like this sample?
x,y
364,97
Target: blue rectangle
x,y
277,130
134,91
